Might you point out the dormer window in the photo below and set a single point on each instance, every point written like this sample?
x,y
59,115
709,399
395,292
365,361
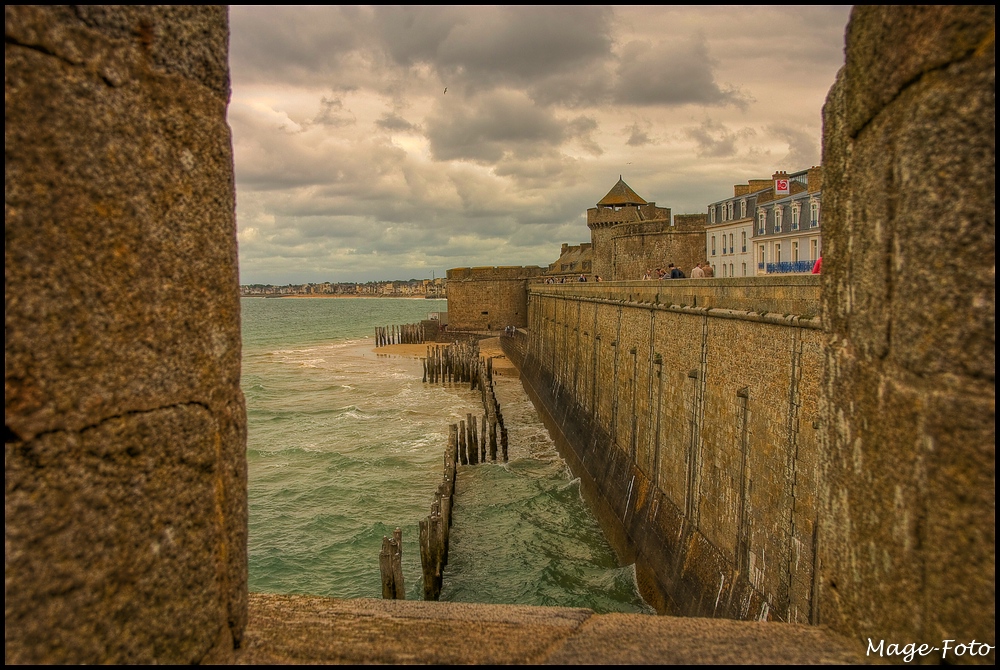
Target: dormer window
x,y
743,209
777,219
730,206
814,214
711,214
761,221
796,208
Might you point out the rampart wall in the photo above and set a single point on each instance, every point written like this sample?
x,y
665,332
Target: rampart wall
x,y
694,430
636,248
489,298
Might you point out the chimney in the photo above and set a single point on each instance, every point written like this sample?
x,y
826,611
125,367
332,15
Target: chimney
x,y
562,252
740,189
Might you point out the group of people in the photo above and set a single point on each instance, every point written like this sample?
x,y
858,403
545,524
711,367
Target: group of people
x,y
700,271
562,280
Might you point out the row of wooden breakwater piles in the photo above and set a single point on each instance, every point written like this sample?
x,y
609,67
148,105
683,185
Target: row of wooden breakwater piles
x,y
461,362
407,333
457,362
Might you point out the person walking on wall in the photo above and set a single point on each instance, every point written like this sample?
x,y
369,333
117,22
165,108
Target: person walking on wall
x,y
697,272
707,269
676,272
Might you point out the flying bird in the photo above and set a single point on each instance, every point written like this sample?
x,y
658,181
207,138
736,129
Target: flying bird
x,y
445,90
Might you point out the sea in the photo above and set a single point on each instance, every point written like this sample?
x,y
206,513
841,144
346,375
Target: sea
x,y
345,445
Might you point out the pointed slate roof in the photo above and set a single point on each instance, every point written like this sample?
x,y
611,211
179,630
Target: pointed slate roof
x,y
621,194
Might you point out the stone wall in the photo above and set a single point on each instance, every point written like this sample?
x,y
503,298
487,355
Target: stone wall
x,y
636,248
908,539
124,444
489,298
694,432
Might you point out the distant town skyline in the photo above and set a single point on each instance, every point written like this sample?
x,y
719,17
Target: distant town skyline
x,y
374,143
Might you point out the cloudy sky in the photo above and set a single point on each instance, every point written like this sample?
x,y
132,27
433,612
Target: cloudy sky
x,y
395,143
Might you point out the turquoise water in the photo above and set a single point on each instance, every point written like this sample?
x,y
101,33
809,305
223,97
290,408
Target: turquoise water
x,y
344,445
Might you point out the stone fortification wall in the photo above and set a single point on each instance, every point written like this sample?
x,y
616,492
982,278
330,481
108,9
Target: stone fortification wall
x,y
780,296
694,431
638,247
124,447
489,298
908,539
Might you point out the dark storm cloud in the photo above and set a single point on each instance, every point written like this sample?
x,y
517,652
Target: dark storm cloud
x,y
294,44
716,140
490,126
479,47
637,137
394,122
671,72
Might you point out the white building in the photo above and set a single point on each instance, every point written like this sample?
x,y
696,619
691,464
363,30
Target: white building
x,y
729,230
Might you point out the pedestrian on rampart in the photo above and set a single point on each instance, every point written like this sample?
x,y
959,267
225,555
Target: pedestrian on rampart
x,y
707,269
697,272
675,272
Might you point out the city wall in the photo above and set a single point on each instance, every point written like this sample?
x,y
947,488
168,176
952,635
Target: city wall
x,y
638,247
489,298
694,430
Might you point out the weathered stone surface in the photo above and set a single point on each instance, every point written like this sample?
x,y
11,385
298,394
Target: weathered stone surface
x,y
125,424
908,539
307,629
122,514
890,47
693,431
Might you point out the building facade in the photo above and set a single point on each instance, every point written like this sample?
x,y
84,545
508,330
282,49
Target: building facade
x,y
729,230
769,226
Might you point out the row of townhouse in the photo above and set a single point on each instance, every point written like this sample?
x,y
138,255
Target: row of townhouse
x,y
769,226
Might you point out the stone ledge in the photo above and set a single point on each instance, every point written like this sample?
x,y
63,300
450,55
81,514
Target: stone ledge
x,y
311,629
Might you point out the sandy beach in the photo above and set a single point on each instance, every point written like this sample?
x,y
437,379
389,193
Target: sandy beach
x,y
488,348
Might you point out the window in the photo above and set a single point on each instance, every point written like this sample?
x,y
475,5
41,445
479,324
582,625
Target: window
x,y
724,269
744,269
813,214
795,216
777,253
760,255
730,210
743,210
744,243
723,243
713,245
711,214
777,219
732,247
813,249
795,251
761,221
731,273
